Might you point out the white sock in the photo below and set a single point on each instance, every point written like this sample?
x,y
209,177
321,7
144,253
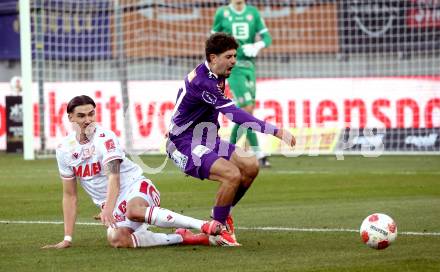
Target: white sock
x,y
145,238
167,219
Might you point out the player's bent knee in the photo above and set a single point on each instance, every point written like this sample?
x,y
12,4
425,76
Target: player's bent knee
x,y
250,167
136,209
134,214
226,172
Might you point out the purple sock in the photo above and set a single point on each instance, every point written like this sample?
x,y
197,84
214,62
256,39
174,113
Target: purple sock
x,y
221,212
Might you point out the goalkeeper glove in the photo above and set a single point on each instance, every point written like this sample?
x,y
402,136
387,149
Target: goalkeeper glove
x,y
251,49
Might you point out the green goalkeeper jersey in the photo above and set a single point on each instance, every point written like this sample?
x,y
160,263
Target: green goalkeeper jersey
x,y
244,26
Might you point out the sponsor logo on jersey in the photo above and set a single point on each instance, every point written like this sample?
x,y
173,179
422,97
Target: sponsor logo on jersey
x,y
209,97
249,17
240,30
102,135
87,170
75,155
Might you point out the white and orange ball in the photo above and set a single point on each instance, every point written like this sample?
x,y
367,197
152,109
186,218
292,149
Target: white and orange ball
x,y
15,84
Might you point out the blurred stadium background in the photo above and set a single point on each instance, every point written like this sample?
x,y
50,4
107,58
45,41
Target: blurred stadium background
x,y
334,67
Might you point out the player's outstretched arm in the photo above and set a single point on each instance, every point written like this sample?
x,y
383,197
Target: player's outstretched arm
x,y
69,211
286,136
239,116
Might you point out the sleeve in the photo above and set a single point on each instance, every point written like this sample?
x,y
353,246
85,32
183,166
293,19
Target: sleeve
x,y
66,172
240,116
217,24
110,148
262,29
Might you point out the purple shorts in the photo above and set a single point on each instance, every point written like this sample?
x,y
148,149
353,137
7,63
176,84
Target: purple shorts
x,y
196,159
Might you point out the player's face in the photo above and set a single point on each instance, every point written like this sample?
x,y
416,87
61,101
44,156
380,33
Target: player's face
x,y
82,118
237,2
222,64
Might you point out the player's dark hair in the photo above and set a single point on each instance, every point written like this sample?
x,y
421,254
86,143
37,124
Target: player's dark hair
x,y
79,101
219,43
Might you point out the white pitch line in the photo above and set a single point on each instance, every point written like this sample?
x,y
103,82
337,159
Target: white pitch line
x,y
321,172
331,230
48,222
240,228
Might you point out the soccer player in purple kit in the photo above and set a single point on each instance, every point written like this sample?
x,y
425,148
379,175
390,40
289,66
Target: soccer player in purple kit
x,y
194,144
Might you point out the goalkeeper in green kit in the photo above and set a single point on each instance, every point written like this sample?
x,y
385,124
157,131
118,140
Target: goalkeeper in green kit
x,y
245,24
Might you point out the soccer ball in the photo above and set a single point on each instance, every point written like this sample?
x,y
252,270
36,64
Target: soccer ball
x,y
15,84
378,231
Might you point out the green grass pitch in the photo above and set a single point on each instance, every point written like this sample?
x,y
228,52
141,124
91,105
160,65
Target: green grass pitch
x,y
301,195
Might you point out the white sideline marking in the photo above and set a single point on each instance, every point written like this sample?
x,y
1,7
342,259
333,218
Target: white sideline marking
x,y
48,222
331,230
335,172
4,175
240,228
312,172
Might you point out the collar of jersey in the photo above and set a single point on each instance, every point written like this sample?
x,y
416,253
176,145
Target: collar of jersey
x,y
209,70
236,11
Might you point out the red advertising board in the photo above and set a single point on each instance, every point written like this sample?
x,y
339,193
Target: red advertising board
x,y
334,103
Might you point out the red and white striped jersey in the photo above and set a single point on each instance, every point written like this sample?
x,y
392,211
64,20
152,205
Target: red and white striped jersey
x,y
85,162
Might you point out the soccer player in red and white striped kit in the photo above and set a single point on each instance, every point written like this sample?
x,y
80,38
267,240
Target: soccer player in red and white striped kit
x,y
92,156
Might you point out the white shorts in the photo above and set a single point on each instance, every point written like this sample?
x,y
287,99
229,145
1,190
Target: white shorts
x,y
142,188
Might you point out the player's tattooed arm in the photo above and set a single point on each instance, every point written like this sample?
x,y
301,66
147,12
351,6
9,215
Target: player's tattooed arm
x,y
112,167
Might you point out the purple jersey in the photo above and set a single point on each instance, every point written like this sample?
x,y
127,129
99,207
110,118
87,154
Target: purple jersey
x,y
202,99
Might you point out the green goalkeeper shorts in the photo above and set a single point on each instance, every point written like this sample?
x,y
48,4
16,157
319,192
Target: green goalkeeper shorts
x,y
242,84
